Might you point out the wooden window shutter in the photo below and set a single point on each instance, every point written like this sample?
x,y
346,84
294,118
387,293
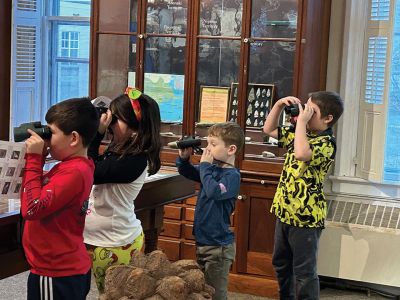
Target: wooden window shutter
x,y
374,91
25,62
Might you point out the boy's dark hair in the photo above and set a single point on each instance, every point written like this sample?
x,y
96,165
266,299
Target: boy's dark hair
x,y
231,133
76,114
148,138
329,103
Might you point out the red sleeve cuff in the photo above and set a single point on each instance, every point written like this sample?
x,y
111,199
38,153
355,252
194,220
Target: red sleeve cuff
x,y
34,160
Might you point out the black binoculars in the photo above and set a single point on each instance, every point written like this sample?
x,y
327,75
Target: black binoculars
x,y
102,103
21,133
187,142
293,110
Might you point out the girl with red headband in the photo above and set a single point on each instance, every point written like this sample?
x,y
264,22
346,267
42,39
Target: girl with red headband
x,y
112,231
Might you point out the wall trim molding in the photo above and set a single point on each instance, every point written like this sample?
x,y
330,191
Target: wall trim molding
x,y
350,85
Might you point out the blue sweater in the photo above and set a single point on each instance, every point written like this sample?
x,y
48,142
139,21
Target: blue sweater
x,y
215,203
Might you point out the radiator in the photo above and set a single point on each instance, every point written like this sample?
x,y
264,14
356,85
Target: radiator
x,y
361,241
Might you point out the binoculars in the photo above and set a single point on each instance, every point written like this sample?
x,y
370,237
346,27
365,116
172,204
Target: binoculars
x,y
21,133
187,142
293,110
102,103
101,110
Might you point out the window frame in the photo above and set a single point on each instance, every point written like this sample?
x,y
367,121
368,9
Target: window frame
x,y
50,51
345,180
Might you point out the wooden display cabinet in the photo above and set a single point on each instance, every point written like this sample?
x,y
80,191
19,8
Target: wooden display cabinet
x,y
171,49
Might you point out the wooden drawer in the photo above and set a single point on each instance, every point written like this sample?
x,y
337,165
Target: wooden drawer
x,y
191,201
172,229
187,231
172,212
189,214
172,248
188,251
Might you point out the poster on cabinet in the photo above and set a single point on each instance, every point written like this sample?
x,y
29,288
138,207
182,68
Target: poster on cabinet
x,y
213,104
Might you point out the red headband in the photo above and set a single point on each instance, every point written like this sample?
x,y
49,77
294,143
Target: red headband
x,y
134,95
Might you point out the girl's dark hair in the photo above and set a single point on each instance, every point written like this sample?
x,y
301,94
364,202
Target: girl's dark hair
x,y
147,138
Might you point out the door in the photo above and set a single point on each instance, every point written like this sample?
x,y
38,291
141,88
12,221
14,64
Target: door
x,y
255,227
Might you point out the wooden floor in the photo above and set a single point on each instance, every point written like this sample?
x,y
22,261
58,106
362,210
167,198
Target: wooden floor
x,y
253,285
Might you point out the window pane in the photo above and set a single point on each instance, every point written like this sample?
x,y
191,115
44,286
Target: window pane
x,y
114,15
218,62
274,19
112,64
273,63
74,53
70,60
73,40
218,68
72,8
165,55
73,80
392,154
164,81
167,17
270,78
221,18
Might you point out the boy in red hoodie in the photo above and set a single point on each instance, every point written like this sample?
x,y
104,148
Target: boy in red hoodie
x,y
54,204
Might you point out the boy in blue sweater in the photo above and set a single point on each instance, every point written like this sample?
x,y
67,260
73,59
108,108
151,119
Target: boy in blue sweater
x,y
220,182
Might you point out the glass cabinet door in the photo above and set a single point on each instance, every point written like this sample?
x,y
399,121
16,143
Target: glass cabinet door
x,y
270,66
116,44
272,47
164,62
218,62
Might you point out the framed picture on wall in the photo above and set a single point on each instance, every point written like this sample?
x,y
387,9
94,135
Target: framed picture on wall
x,y
213,104
258,103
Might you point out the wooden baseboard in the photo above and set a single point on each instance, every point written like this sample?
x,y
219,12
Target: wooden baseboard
x,y
253,285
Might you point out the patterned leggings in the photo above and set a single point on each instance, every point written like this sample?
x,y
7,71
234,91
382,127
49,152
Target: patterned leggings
x,y
104,257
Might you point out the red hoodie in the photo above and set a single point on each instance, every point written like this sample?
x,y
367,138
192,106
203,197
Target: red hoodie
x,y
54,207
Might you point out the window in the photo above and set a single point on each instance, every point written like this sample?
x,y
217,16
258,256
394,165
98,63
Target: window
x,y
379,158
50,58
69,43
69,49
368,159
391,170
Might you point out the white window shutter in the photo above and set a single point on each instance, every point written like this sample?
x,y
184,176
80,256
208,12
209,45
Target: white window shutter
x,y
25,62
375,89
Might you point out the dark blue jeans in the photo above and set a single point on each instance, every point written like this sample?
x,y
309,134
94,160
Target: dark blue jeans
x,y
295,261
58,288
